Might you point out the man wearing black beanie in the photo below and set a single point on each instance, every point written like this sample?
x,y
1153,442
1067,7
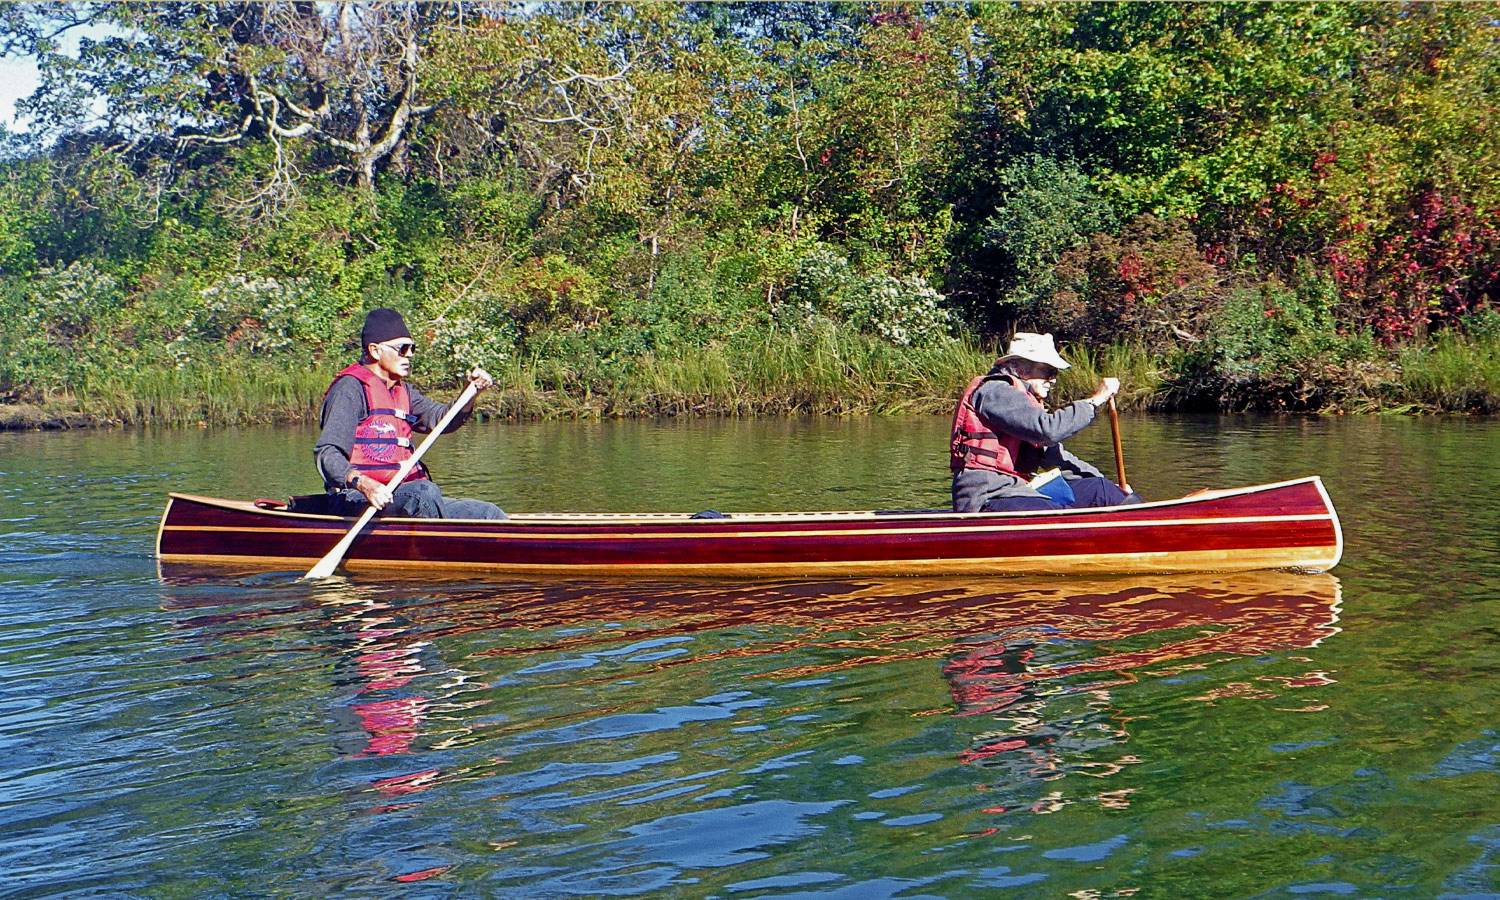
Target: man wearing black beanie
x,y
369,415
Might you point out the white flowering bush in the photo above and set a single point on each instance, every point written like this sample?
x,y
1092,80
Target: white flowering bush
x,y
905,311
66,304
58,324
818,279
259,314
478,335
820,276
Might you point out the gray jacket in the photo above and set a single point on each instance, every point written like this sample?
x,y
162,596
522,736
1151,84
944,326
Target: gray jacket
x,y
344,408
1006,409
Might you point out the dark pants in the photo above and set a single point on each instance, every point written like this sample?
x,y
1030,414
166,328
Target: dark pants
x,y
1087,492
419,500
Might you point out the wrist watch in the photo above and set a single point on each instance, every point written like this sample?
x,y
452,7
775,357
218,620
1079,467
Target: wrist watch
x,y
353,481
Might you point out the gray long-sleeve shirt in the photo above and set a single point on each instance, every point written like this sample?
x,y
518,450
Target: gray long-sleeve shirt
x,y
344,408
1006,409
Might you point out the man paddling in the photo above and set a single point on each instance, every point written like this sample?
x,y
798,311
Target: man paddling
x,y
369,415
1003,435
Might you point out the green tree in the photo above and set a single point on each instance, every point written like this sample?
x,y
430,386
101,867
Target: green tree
x,y
331,87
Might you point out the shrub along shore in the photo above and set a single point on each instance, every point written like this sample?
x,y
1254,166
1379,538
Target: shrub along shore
x,y
628,209
837,373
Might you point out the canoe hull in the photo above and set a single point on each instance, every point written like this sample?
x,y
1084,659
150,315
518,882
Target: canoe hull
x,y
1290,525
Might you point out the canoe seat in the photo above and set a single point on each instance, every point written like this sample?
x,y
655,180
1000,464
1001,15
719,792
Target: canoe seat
x,y
317,504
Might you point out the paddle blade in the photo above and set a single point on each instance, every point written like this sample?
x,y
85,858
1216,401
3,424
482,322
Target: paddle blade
x,y
324,567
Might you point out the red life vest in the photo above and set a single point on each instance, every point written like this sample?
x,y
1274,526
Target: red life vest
x,y
973,445
382,439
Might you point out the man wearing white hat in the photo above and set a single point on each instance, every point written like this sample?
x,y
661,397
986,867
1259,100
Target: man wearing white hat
x,y
1003,434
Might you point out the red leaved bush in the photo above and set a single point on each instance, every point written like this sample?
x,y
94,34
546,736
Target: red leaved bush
x,y
1150,285
1439,261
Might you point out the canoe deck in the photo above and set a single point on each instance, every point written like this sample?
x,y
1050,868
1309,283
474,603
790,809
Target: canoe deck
x,y
1288,525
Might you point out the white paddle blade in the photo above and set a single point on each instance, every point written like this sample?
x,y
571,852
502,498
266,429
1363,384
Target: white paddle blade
x,y
325,566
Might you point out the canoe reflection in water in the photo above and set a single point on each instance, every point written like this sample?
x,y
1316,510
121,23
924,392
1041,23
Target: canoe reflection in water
x,y
1034,660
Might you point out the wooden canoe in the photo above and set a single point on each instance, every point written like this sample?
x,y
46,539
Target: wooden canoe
x,y
1288,525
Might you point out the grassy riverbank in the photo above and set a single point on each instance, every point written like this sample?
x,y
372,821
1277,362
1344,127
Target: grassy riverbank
x,y
831,372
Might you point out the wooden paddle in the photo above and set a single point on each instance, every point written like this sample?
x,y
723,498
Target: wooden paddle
x,y
327,564
1114,429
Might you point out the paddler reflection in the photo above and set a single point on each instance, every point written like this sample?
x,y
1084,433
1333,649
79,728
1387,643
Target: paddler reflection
x,y
383,669
385,659
399,683
1044,684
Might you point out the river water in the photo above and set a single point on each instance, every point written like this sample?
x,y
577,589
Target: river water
x,y
188,732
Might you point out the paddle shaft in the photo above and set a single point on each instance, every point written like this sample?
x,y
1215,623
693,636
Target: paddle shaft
x,y
328,563
1114,430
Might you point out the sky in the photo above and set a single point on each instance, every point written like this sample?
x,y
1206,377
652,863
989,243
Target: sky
x,y
18,75
17,80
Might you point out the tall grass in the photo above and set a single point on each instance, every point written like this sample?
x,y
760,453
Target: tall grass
x,y
826,371
1455,373
830,371
237,393
839,371
1143,379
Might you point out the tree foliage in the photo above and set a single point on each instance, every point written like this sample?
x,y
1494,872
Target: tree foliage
x,y
588,181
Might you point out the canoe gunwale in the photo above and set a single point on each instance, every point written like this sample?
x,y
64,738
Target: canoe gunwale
x,y
604,518
1225,530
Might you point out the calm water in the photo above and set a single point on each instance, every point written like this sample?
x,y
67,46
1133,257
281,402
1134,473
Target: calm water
x,y
177,733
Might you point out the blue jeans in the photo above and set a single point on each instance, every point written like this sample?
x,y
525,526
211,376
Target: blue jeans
x,y
416,499
1087,492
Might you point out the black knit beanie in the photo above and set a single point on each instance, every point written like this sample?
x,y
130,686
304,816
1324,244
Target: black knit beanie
x,y
382,325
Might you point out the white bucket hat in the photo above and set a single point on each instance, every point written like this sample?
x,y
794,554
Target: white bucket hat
x,y
1036,348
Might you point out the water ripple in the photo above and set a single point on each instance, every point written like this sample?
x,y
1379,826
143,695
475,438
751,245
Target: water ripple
x,y
202,732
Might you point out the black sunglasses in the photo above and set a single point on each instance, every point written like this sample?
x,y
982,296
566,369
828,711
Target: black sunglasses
x,y
401,349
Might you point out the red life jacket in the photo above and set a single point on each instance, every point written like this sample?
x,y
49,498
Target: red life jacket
x,y
973,445
382,439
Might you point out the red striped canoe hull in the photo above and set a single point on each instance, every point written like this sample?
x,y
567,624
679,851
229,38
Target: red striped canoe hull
x,y
1290,525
